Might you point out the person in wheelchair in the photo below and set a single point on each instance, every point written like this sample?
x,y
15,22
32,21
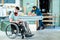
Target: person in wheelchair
x,y
19,23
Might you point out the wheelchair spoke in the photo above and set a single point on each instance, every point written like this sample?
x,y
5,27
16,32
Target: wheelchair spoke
x,y
11,33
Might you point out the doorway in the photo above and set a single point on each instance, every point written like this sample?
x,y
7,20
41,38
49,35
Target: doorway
x,y
44,5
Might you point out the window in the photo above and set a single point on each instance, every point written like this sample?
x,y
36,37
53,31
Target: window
x,y
0,1
21,3
9,1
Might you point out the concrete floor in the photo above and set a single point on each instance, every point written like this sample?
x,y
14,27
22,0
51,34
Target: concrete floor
x,y
46,34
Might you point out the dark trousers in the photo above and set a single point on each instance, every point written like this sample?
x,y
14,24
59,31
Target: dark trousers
x,y
41,24
21,28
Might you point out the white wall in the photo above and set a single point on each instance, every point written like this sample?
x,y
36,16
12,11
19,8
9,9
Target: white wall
x,y
17,3
55,11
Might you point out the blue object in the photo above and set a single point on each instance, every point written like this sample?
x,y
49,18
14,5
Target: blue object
x,y
38,13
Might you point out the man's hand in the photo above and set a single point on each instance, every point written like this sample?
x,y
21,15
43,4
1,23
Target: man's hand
x,y
29,14
20,20
17,22
33,14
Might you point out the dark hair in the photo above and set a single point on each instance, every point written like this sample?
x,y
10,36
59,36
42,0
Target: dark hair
x,y
17,8
34,7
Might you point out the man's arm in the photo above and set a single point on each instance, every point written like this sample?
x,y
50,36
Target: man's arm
x,y
31,14
11,17
11,20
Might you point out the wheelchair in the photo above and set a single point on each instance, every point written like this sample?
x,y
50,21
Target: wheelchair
x,y
13,34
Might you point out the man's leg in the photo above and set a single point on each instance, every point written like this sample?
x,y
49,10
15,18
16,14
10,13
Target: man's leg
x,y
27,30
13,28
41,25
22,29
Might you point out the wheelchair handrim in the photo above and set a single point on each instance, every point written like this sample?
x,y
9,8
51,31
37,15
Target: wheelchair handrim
x,y
16,29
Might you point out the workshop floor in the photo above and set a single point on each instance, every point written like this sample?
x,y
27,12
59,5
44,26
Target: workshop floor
x,y
46,34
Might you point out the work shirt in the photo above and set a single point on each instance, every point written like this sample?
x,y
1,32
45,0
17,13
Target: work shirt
x,y
12,16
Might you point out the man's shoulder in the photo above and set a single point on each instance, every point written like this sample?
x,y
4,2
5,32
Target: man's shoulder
x,y
12,12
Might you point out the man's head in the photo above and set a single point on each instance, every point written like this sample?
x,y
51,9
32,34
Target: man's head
x,y
17,9
34,8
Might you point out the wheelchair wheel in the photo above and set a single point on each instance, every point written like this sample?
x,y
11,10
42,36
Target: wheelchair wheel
x,y
9,31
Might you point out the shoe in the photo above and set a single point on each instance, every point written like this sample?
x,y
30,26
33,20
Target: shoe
x,y
22,37
29,35
38,28
43,28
